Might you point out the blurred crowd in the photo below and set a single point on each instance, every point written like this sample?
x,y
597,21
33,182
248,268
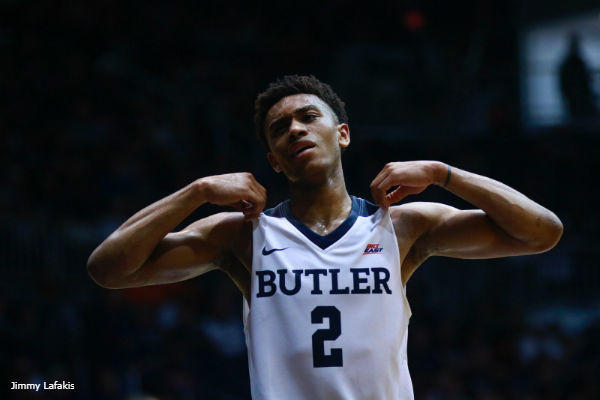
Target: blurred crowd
x,y
187,342
113,105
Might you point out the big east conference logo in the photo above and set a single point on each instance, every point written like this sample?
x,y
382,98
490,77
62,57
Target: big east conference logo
x,y
373,248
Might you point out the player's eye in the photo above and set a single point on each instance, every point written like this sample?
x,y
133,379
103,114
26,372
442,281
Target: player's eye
x,y
277,130
309,117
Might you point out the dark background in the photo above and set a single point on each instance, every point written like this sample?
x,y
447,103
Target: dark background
x,y
108,106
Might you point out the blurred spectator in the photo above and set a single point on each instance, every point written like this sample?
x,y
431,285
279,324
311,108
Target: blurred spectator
x,y
575,82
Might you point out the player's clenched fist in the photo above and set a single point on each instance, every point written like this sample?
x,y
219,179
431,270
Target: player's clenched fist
x,y
411,177
239,190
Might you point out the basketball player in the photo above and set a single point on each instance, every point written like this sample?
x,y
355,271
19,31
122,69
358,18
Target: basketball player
x,y
323,274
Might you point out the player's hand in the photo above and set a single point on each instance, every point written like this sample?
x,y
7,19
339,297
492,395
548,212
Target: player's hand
x,y
239,190
411,177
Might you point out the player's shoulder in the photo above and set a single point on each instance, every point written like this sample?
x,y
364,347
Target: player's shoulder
x,y
226,227
418,212
231,220
420,207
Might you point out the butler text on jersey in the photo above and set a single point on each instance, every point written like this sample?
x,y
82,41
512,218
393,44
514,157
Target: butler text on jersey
x,y
364,281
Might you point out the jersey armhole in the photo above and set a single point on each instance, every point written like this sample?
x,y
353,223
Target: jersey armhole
x,y
397,247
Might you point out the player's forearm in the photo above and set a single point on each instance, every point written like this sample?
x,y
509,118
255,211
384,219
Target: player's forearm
x,y
513,212
130,246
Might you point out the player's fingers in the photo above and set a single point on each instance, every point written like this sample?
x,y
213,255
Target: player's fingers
x,y
380,176
402,191
261,189
255,184
385,184
254,193
378,196
262,198
247,208
376,191
397,194
259,192
238,205
252,211
251,188
259,199
247,205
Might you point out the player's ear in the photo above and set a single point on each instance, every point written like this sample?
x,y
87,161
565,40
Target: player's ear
x,y
273,162
343,135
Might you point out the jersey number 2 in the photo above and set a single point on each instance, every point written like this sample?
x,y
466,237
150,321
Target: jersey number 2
x,y
320,359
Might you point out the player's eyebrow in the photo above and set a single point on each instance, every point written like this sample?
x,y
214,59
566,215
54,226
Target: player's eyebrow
x,y
307,108
299,110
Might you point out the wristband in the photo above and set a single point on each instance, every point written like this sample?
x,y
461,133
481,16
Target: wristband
x,y
448,175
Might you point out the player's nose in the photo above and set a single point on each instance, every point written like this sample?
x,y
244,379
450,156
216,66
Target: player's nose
x,y
297,129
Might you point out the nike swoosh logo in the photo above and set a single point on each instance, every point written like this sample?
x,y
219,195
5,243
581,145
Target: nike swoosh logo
x,y
266,252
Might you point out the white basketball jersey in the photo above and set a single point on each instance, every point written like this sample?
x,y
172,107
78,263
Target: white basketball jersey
x,y
328,317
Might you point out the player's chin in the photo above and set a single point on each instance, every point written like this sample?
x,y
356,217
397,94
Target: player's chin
x,y
313,176
308,169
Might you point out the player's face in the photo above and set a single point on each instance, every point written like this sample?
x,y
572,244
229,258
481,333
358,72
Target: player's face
x,y
304,136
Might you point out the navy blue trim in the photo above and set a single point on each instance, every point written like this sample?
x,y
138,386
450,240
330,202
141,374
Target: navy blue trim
x,y
360,207
277,211
366,207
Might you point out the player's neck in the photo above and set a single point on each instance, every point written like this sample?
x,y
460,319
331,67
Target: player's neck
x,y
321,207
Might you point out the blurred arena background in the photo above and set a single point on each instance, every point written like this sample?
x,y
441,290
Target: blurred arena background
x,y
110,105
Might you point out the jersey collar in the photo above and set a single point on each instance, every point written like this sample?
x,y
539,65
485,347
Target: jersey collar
x,y
327,240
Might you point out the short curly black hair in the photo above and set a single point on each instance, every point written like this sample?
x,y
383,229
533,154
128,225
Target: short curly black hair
x,y
288,86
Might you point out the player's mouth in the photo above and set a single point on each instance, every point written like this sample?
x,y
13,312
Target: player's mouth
x,y
300,148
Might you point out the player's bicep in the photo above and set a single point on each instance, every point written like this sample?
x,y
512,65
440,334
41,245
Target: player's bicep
x,y
190,252
467,234
178,256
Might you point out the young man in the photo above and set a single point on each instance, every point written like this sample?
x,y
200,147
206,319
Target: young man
x,y
324,273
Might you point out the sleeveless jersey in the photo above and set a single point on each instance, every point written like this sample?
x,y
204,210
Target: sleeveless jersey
x,y
328,317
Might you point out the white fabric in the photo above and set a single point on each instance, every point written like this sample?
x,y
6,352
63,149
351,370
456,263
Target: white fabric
x,y
374,326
